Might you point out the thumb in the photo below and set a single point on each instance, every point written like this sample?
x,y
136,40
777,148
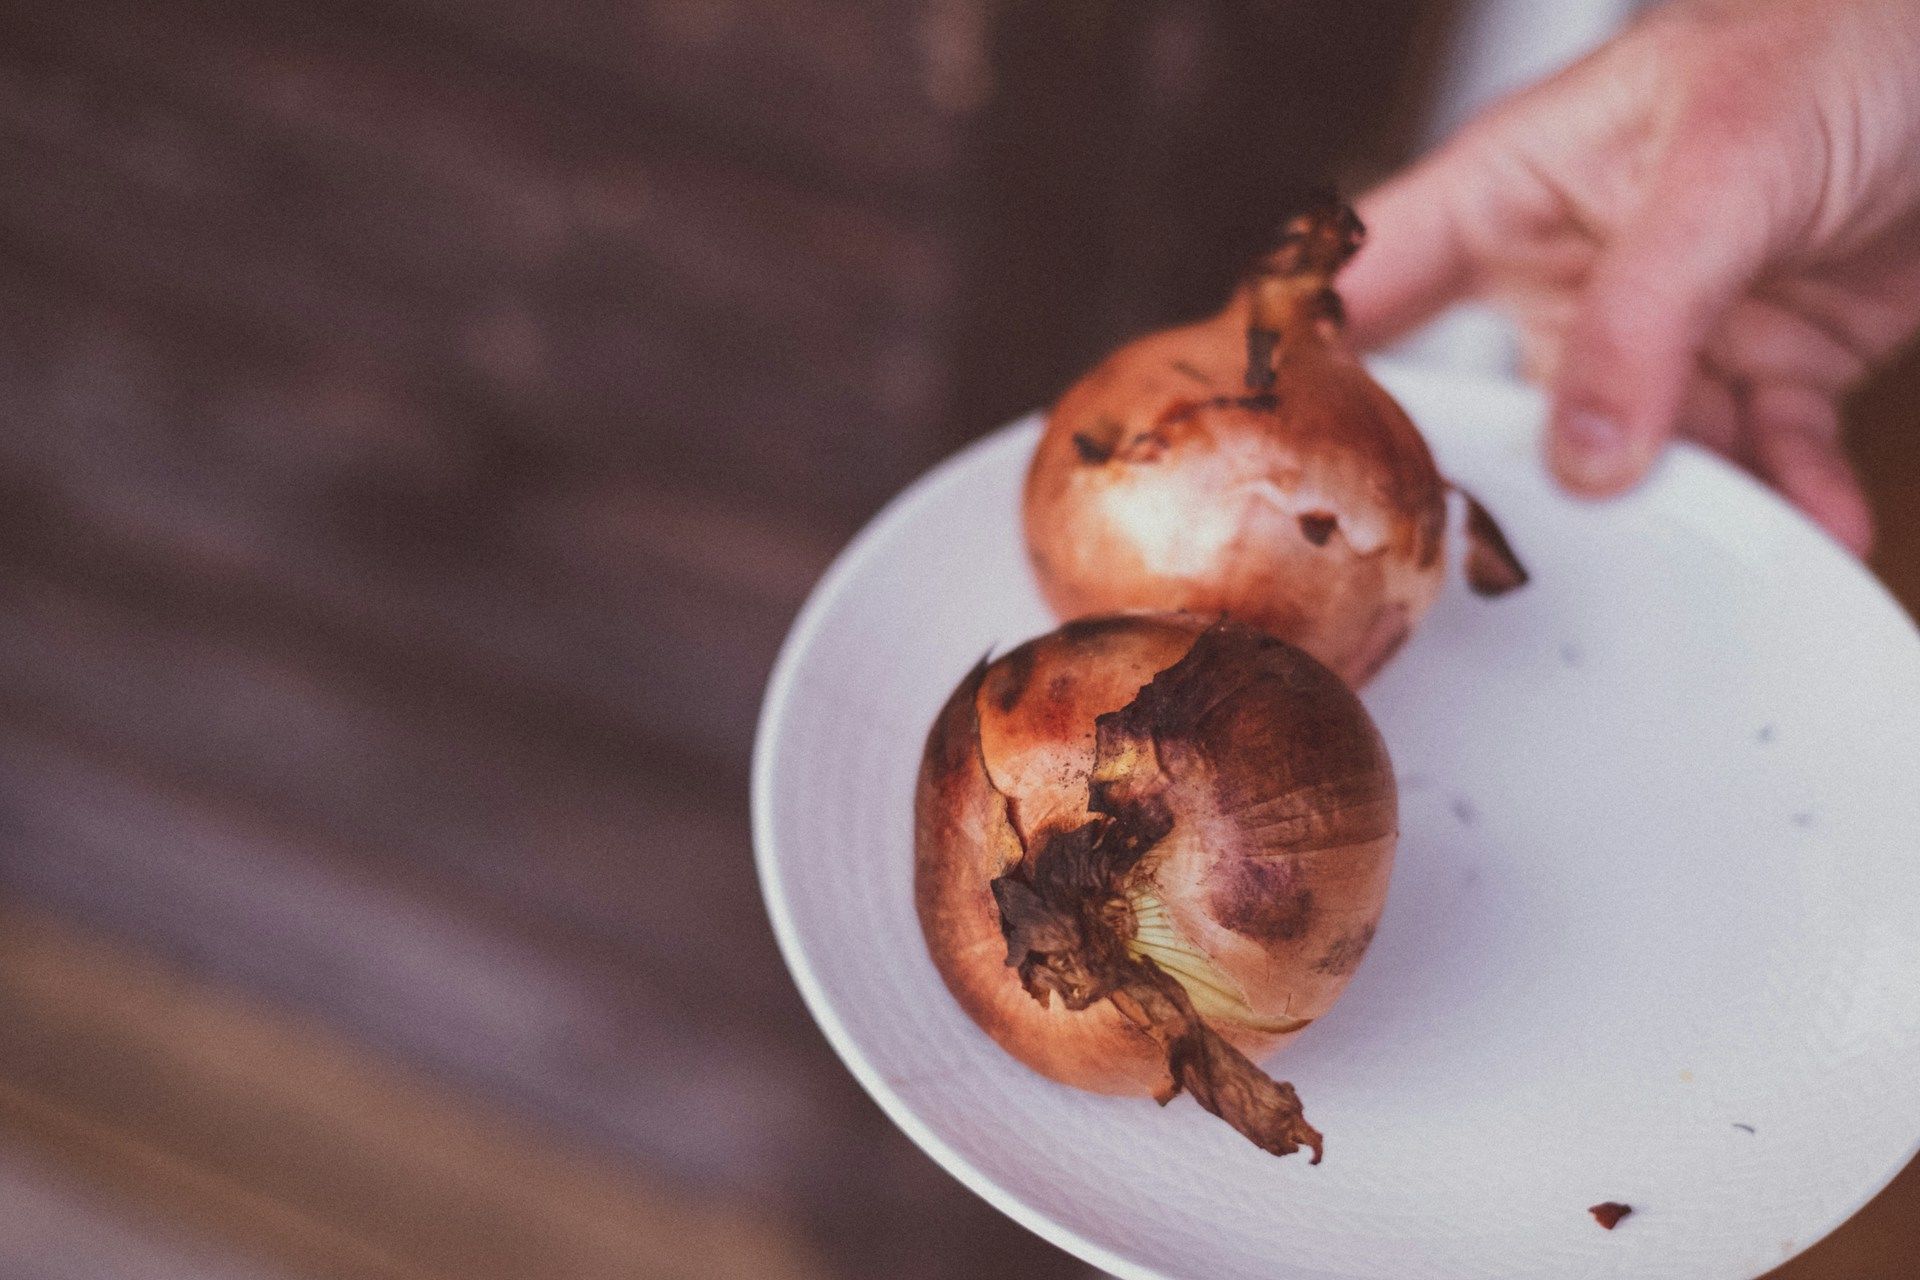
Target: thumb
x,y
1633,347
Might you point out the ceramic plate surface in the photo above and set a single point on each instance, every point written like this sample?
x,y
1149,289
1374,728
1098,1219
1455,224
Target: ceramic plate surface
x,y
1654,929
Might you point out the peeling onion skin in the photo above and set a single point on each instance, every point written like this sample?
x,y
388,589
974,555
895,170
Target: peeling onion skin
x,y
1267,884
1044,738
1247,466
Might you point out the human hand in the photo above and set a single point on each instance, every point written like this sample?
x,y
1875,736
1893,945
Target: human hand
x,y
1710,226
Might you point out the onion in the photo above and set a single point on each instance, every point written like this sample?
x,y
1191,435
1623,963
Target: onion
x,y
1249,466
1148,849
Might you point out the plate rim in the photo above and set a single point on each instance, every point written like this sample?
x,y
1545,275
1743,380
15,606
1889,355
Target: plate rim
x,y
1684,466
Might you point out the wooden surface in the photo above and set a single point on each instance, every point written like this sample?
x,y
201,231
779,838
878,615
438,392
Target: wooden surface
x,y
201,1110
421,420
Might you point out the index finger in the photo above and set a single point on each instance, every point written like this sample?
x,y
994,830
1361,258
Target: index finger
x,y
1415,262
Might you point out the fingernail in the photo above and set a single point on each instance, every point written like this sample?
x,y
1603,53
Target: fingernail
x,y
1589,449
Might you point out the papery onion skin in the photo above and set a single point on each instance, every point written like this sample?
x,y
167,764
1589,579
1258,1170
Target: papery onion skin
x,y
1247,466
1263,891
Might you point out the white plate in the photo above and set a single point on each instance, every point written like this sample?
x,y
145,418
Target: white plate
x,y
1654,931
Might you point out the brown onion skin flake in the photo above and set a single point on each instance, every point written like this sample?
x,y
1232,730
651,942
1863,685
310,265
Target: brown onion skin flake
x,y
1609,1214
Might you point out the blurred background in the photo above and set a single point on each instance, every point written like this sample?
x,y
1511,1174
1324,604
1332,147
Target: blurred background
x,y
421,420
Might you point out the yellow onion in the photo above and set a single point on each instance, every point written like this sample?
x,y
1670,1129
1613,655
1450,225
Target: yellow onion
x,y
1149,849
1249,466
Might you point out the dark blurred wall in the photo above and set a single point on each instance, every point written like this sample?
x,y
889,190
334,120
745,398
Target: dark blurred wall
x,y
1131,160
421,421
